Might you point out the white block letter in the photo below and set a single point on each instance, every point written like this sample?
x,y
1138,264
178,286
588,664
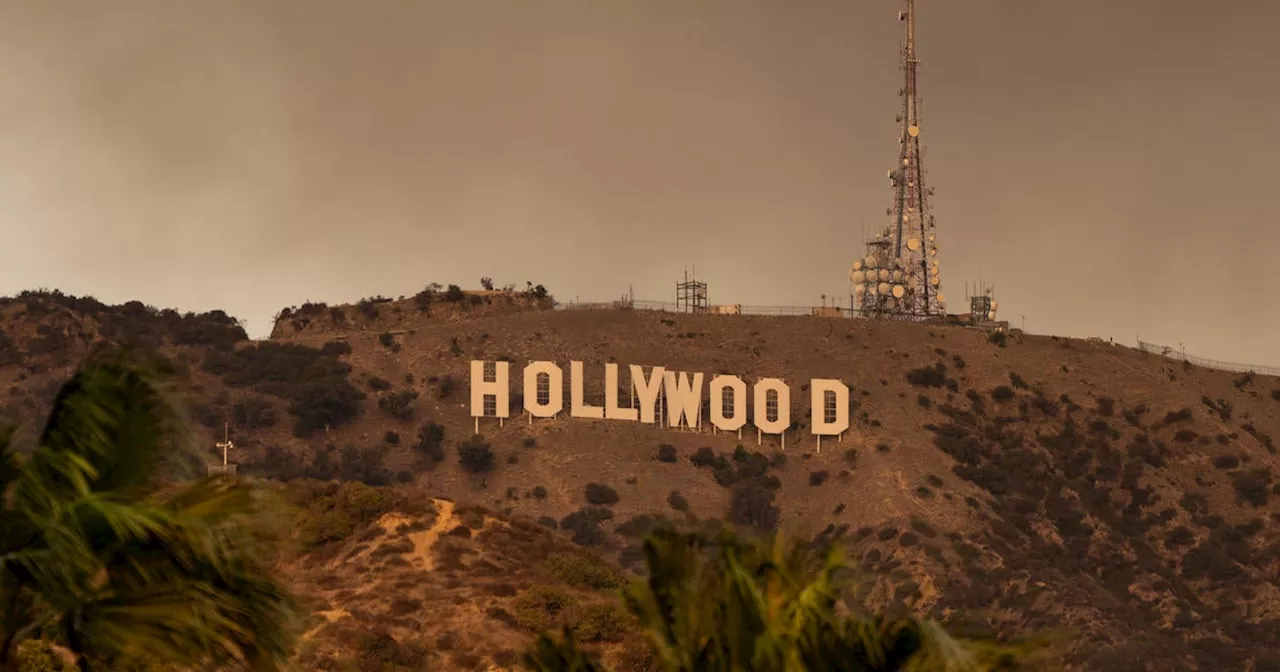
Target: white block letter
x,y
720,385
761,411
481,388
819,390
647,392
577,406
555,389
683,398
611,409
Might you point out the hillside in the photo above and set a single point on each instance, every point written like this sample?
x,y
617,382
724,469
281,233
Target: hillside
x,y
1028,483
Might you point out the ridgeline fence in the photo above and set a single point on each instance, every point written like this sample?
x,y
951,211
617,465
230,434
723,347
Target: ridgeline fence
x,y
743,309
1179,355
730,309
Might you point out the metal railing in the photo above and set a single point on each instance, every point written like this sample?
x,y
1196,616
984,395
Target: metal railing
x,y
731,309
1181,356
741,309
218,469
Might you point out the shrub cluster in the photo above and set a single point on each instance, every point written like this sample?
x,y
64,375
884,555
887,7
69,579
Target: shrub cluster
x,y
601,495
928,376
316,384
134,323
475,456
333,511
752,500
398,405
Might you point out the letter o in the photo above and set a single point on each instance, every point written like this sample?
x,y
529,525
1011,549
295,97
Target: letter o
x,y
760,414
555,385
717,388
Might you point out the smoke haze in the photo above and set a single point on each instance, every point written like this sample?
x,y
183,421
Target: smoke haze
x,y
1103,163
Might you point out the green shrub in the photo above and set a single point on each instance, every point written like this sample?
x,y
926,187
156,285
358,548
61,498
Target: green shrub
x,y
35,655
584,570
541,608
603,622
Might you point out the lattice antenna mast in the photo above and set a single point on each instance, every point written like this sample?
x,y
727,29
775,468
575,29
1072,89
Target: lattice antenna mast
x,y
915,239
899,276
910,143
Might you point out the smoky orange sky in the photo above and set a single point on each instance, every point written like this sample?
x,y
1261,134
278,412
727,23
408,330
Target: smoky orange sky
x,y
1108,165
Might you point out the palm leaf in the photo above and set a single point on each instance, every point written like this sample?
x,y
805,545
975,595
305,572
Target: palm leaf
x,y
549,655
94,540
9,469
716,605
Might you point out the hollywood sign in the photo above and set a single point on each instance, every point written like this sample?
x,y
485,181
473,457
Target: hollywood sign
x,y
679,393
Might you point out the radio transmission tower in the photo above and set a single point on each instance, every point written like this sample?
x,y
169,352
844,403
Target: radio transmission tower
x,y
899,275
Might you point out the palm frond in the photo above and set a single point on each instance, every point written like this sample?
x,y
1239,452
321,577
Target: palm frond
x,y
563,655
9,469
96,539
730,603
110,429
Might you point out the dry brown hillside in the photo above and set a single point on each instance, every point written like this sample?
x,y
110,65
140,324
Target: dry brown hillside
x,y
1030,483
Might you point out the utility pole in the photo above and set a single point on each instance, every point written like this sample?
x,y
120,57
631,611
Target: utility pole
x,y
225,444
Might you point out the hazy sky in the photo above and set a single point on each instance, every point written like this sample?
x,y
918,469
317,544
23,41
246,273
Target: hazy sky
x,y
1109,165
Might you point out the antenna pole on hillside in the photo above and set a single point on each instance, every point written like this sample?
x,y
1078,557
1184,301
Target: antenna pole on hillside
x,y
226,443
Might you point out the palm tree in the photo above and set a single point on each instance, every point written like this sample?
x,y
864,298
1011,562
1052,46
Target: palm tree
x,y
106,554
716,605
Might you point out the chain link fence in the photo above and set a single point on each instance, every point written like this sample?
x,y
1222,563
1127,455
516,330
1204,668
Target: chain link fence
x,y
1179,355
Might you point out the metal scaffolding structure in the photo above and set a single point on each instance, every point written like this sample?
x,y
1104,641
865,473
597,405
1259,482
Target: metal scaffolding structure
x,y
691,295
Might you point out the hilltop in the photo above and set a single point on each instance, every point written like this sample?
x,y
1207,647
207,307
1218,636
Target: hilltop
x,y
1002,483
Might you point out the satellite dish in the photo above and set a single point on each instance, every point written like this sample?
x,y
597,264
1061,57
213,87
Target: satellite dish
x,y
871,275
935,281
912,282
906,161
934,271
870,262
883,289
933,237
855,275
913,131
871,290
942,298
857,265
995,305
991,315
897,276
933,252
859,290
913,244
899,291
885,275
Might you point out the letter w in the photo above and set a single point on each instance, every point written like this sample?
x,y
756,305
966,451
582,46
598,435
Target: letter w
x,y
683,398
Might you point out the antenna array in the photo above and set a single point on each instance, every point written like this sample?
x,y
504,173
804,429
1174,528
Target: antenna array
x,y
900,275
